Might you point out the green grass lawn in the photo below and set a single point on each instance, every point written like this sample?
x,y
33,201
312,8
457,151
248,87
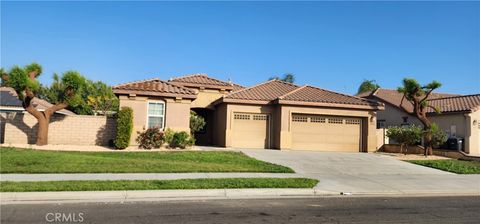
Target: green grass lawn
x,y
451,165
221,183
14,160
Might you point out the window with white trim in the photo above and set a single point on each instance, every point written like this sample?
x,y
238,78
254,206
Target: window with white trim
x,y
156,114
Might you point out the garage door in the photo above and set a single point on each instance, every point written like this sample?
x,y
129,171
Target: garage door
x,y
326,133
250,130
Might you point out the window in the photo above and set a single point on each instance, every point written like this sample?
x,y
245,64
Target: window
x,y
241,116
352,121
315,119
381,124
156,114
297,118
259,117
335,120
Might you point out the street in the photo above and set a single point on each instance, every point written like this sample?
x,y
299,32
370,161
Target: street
x,y
290,210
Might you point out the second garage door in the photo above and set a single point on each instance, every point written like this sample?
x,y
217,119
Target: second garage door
x,y
250,130
326,133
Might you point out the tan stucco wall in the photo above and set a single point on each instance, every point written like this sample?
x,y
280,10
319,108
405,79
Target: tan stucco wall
x,y
465,128
205,97
220,125
474,142
369,119
393,116
445,121
177,113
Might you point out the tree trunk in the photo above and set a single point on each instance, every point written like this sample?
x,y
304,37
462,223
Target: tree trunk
x,y
42,133
428,144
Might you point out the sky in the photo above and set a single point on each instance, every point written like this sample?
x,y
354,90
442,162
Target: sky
x,y
332,45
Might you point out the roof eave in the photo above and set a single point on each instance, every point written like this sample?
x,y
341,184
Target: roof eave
x,y
150,93
241,101
335,105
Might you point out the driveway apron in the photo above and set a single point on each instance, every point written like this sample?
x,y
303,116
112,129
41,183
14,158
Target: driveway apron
x,y
369,173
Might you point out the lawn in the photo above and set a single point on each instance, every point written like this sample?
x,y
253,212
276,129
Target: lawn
x,y
15,160
221,183
451,165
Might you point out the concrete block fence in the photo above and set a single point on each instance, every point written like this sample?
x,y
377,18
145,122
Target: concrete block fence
x,y
21,128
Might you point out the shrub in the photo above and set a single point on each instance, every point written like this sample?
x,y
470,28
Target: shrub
x,y
182,140
405,136
197,123
150,138
439,137
124,128
168,136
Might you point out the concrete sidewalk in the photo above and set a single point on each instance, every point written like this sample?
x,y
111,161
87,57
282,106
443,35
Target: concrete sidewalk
x,y
138,176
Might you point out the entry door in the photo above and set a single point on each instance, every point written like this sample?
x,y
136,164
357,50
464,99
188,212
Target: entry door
x,y
250,130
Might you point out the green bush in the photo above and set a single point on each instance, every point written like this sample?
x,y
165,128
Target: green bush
x,y
197,123
406,136
124,128
168,136
182,140
439,137
150,138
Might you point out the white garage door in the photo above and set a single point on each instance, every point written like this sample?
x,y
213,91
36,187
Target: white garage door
x,y
326,133
250,130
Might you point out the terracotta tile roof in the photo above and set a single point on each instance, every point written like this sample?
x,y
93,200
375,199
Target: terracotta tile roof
x,y
394,98
203,80
456,103
279,92
318,95
154,87
9,101
266,91
237,87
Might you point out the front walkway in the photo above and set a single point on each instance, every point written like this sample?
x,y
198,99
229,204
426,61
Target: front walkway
x,y
368,173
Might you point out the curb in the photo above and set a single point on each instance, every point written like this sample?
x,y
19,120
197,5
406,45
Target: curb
x,y
165,195
155,195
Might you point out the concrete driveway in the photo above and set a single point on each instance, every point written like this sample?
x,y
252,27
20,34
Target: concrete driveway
x,y
369,173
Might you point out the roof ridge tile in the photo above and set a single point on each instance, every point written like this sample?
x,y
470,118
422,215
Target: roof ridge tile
x,y
293,91
134,82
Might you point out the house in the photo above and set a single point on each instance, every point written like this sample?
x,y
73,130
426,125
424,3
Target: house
x,y
273,114
9,102
11,107
459,115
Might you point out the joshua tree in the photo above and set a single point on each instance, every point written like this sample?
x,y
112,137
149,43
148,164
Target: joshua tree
x,y
418,95
24,82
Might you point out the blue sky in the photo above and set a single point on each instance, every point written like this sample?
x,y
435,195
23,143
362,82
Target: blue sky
x,y
333,45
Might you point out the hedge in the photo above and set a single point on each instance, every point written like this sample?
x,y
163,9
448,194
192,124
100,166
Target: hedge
x,y
124,128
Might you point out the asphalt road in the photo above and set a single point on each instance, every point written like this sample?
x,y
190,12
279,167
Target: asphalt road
x,y
304,210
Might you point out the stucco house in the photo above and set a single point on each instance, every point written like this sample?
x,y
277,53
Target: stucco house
x,y
272,114
459,114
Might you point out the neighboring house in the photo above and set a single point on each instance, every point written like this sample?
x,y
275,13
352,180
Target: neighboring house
x,y
459,115
9,102
273,114
10,105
